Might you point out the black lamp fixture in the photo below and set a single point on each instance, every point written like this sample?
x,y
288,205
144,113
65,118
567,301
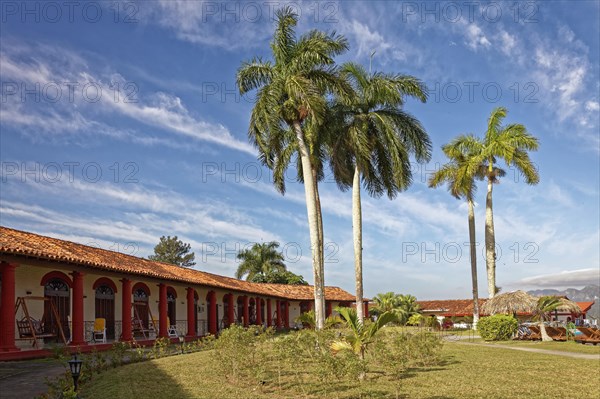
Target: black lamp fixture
x,y
181,342
75,366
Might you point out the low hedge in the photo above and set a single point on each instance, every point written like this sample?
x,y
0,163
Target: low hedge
x,y
497,328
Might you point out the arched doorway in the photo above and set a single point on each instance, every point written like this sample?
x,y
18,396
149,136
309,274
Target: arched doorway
x,y
105,307
240,310
141,296
252,311
196,310
212,313
227,304
172,306
58,290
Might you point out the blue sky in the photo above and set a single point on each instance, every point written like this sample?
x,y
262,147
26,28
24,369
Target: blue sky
x,y
120,122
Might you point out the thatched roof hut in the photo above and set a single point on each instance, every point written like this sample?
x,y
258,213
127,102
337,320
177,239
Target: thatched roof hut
x,y
510,303
567,305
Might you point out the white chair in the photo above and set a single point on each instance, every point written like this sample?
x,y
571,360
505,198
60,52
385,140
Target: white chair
x,y
172,329
99,330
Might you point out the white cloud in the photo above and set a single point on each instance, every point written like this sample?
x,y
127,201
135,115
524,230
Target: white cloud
x,y
107,94
592,106
570,278
229,26
507,42
475,37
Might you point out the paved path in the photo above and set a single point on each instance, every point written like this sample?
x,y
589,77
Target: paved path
x,y
25,379
535,350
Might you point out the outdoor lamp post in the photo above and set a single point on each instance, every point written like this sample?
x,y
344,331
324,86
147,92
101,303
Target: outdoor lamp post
x,y
181,341
75,366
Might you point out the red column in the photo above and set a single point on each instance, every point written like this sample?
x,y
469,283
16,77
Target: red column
x,y
246,311
309,305
191,328
7,308
126,293
287,314
162,311
278,307
366,310
269,315
212,313
231,310
77,333
328,310
258,311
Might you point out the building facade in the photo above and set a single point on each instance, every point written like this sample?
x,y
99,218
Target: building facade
x,y
52,288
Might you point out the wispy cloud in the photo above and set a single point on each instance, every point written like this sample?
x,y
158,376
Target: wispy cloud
x,y
84,94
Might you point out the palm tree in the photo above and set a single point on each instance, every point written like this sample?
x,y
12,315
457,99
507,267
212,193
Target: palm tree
x,y
459,174
360,335
372,140
402,306
547,304
261,259
291,93
511,143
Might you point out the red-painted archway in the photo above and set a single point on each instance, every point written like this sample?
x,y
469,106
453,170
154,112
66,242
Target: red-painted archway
x,y
105,281
141,285
56,274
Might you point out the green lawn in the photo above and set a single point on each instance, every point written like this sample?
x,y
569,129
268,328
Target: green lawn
x,y
570,346
466,372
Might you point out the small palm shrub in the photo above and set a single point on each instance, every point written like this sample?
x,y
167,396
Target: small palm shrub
x,y
415,320
497,328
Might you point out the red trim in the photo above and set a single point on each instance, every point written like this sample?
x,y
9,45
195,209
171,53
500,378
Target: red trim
x,y
171,290
77,332
7,309
141,285
105,281
162,311
212,312
190,312
56,274
126,334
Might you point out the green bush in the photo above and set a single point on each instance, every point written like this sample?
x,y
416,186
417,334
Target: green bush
x,y
415,320
497,328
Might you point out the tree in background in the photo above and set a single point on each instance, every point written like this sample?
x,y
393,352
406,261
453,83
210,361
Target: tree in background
x,y
279,277
174,251
402,306
511,143
260,261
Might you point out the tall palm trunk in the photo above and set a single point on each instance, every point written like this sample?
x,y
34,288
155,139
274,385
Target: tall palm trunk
x,y
545,336
490,241
320,233
313,226
473,250
357,235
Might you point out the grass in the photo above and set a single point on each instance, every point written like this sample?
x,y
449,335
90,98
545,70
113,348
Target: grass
x,y
466,372
569,346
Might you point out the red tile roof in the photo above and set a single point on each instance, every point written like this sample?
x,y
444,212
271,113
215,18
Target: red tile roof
x,y
450,307
20,243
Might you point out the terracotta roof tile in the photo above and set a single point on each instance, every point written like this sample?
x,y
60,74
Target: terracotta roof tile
x,y
16,242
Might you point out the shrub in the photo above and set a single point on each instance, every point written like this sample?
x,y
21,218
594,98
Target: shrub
x,y
415,320
497,328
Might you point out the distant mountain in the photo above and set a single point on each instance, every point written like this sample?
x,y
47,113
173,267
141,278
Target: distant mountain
x,y
586,294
